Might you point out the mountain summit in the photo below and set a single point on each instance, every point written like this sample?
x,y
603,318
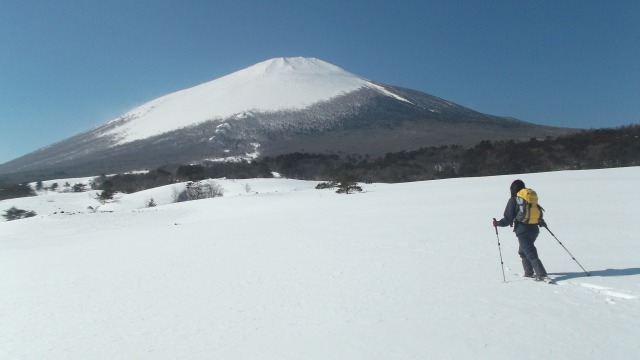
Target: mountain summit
x,y
278,106
273,85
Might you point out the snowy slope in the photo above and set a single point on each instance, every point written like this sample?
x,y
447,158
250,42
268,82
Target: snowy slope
x,y
284,271
272,85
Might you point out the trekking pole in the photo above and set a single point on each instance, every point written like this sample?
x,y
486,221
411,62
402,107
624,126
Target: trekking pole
x,y
500,252
574,259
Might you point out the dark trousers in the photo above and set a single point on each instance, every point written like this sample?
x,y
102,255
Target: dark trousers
x,y
527,250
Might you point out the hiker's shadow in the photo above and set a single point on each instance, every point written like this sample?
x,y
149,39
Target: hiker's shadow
x,y
601,273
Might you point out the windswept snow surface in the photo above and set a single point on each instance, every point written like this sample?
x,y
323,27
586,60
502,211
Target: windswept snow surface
x,y
279,270
275,84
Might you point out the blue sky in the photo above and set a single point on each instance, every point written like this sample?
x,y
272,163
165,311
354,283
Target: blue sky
x,y
67,66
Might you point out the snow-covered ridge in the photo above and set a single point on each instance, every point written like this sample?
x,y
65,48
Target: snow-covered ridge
x,y
272,85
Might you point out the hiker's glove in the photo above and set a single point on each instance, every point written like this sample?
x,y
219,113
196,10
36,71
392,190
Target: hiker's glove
x,y
495,222
542,224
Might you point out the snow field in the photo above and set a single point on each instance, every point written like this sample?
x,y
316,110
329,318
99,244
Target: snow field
x,y
284,271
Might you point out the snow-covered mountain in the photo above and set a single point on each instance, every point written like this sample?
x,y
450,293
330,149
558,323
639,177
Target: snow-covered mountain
x,y
277,106
282,84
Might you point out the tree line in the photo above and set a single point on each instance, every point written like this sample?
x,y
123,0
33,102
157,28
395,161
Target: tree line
x,y
588,149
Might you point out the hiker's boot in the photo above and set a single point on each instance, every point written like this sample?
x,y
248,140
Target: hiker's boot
x,y
541,273
528,268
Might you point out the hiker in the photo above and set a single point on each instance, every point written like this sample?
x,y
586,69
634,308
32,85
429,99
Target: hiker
x,y
526,233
